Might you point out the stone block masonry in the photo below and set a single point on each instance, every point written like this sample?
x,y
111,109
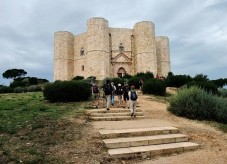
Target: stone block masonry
x,y
103,51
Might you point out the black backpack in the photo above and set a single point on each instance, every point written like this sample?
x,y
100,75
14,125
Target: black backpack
x,y
119,90
107,89
133,96
95,89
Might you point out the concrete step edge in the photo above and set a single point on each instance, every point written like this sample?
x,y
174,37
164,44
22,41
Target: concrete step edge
x,y
152,150
112,110
144,140
114,114
138,132
115,118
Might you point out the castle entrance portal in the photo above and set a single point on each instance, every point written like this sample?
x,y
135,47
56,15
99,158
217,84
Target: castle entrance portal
x,y
121,72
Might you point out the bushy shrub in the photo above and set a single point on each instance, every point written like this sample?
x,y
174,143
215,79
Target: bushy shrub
x,y
145,76
34,88
78,78
154,86
67,91
221,110
5,89
205,85
127,76
134,81
177,80
195,103
117,80
20,90
222,92
192,103
91,78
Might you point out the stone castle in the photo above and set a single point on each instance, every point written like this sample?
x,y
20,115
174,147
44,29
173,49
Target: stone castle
x,y
103,51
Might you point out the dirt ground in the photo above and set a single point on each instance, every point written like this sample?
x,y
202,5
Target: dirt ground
x,y
213,143
75,140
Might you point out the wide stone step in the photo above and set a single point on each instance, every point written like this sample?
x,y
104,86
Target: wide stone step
x,y
138,132
151,150
114,114
144,140
112,110
115,118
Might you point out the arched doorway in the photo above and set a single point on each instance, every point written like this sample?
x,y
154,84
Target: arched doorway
x,y
121,72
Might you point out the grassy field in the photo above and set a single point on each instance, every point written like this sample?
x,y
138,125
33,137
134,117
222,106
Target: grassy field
x,y
27,118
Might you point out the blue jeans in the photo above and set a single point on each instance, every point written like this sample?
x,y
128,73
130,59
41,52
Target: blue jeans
x,y
112,99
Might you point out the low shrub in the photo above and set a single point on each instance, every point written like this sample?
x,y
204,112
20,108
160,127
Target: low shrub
x,y
145,76
34,88
222,92
177,80
67,91
20,90
154,86
5,89
134,81
205,85
117,80
78,78
221,110
195,103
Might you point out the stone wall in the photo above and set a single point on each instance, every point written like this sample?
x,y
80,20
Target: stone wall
x,y
163,55
64,55
145,55
97,52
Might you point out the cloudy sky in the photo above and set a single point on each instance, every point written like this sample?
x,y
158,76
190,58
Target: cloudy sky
x,y
197,30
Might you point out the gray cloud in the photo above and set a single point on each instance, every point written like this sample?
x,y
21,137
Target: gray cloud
x,y
196,29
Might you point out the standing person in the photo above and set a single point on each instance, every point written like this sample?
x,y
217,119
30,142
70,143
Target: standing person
x,y
108,91
95,93
132,100
113,93
119,93
141,84
125,94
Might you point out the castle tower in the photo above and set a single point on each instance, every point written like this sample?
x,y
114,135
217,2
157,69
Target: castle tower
x,y
163,55
98,49
63,55
145,50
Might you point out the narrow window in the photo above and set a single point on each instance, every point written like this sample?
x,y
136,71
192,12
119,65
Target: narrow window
x,y
82,67
82,51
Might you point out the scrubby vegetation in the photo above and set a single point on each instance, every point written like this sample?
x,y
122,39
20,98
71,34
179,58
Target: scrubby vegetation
x,y
195,103
67,91
205,85
154,86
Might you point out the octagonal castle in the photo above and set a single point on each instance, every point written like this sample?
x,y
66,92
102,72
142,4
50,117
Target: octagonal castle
x,y
103,51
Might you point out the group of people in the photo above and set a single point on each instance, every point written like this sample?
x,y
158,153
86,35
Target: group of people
x,y
127,96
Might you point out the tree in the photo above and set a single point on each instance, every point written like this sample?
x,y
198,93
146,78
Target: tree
x,y
200,77
13,73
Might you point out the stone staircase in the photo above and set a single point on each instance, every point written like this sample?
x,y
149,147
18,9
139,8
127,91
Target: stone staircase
x,y
145,142
114,114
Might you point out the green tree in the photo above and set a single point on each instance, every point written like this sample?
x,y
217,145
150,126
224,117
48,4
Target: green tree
x,y
14,73
200,77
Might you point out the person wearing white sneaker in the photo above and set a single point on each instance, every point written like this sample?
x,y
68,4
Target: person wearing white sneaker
x,y
132,94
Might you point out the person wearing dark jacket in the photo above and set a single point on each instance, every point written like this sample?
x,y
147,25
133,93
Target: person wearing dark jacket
x,y
108,92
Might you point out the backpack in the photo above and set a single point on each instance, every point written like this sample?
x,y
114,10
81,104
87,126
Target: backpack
x,y
107,89
119,90
95,89
133,96
125,89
